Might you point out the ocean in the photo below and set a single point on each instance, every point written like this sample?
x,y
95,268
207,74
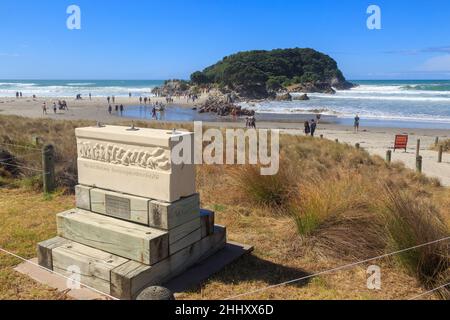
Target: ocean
x,y
70,88
377,102
405,101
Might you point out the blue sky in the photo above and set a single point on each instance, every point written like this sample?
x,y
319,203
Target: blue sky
x,y
159,39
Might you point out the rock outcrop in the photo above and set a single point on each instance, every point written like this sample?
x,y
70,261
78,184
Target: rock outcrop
x,y
312,87
222,107
303,97
284,97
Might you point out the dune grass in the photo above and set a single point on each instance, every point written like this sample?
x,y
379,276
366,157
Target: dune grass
x,y
350,205
330,204
445,145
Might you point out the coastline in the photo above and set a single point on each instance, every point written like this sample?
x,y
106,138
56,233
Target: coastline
x,y
376,139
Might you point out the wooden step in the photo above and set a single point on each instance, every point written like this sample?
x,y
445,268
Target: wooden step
x,y
207,222
130,278
93,267
44,251
125,239
125,207
184,235
145,211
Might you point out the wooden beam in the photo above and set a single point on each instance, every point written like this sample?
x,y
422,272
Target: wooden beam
x,y
165,215
132,277
83,197
44,251
207,222
122,238
91,265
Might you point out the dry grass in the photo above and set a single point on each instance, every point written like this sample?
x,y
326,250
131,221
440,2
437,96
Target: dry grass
x,y
445,145
410,222
26,218
325,208
341,209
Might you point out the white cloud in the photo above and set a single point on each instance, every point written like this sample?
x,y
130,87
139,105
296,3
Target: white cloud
x,y
437,64
3,54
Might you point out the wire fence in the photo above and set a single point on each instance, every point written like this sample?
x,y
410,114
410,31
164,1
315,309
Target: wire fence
x,y
19,162
19,146
340,268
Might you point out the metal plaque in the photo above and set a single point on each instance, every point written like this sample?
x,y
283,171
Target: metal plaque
x,y
118,207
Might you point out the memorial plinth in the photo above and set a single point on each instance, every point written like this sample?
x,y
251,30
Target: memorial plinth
x,y
138,220
135,162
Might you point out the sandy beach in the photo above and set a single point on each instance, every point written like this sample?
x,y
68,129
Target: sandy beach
x,y
376,140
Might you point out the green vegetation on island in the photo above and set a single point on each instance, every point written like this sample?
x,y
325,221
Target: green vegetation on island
x,y
261,74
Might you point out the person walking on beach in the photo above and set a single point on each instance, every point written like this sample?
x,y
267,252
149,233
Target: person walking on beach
x,y
44,108
90,96
113,99
154,116
54,107
252,122
313,127
307,128
356,124
109,99
129,95
140,100
110,109
121,110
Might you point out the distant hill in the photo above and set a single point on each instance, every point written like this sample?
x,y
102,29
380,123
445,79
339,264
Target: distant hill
x,y
260,74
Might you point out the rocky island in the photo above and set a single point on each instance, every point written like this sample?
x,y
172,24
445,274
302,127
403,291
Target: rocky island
x,y
261,74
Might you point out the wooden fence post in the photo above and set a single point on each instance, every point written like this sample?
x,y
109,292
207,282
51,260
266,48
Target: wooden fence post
x,y
441,149
388,156
436,142
419,164
48,168
418,148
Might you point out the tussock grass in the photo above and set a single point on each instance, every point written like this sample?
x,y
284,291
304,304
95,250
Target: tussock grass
x,y
341,208
328,205
445,145
273,191
410,223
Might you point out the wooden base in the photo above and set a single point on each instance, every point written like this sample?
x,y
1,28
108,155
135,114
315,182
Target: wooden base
x,y
121,277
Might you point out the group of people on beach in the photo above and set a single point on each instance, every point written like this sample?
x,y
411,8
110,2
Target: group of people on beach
x,y
250,122
19,94
311,126
157,107
192,97
113,98
118,108
145,99
61,105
